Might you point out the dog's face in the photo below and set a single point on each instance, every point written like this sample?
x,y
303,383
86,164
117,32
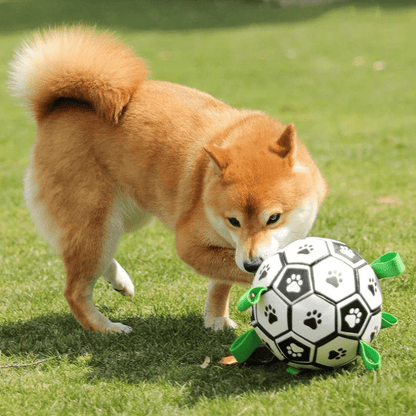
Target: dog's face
x,y
260,198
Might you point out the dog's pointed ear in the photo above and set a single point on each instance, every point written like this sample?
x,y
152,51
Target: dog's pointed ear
x,y
218,155
285,146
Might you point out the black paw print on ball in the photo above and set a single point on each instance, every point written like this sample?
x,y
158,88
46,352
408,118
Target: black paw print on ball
x,y
264,271
270,312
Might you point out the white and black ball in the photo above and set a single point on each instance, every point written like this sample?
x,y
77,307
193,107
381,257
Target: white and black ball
x,y
322,299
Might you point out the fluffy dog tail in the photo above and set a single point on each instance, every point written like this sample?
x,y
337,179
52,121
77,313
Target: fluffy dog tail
x,y
76,63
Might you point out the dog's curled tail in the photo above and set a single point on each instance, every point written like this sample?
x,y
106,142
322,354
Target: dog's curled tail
x,y
76,63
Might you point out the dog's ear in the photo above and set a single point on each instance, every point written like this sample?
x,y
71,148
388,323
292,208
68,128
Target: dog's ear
x,y
218,156
285,146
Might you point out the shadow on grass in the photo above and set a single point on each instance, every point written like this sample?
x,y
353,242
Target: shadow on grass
x,y
142,15
159,350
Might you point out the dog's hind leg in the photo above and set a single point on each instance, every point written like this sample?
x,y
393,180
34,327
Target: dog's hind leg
x,y
79,295
78,245
125,216
81,226
84,263
74,203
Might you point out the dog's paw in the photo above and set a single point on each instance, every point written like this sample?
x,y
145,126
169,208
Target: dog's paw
x,y
218,323
97,322
119,279
117,327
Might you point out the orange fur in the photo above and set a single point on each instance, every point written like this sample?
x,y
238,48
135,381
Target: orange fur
x,y
113,148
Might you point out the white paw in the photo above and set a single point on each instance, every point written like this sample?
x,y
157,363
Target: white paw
x,y
119,279
117,327
218,323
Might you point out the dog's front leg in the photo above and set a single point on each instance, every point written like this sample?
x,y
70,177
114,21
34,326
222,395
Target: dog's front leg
x,y
217,263
217,306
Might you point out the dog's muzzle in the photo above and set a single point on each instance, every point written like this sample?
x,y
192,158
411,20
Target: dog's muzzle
x,y
253,265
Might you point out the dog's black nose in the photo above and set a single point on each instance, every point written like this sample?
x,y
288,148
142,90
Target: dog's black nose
x,y
253,265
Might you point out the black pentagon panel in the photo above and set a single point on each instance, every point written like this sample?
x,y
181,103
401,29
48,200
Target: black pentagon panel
x,y
294,283
295,350
347,253
353,315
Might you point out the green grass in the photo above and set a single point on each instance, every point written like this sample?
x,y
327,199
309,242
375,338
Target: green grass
x,y
359,123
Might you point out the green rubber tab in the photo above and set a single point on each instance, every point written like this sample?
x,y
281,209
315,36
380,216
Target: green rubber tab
x,y
371,358
388,265
244,345
293,371
251,297
388,320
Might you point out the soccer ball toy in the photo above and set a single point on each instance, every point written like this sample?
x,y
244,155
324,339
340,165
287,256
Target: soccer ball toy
x,y
317,304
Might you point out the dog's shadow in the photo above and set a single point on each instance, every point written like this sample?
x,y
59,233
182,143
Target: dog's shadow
x,y
160,349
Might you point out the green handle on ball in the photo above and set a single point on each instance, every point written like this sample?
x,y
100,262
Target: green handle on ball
x,y
371,358
388,265
251,297
244,345
388,320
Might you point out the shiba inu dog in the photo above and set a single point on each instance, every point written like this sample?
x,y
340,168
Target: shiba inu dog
x,y
114,149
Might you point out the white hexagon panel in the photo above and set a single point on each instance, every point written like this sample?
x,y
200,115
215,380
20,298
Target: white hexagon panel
x,y
271,314
372,329
268,270
353,316
345,253
306,251
337,352
370,287
293,283
313,318
334,279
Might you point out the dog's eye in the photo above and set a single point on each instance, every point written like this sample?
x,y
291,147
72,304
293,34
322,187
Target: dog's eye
x,y
273,219
234,222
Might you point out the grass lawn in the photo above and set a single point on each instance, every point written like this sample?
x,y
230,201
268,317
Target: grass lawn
x,y
345,75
